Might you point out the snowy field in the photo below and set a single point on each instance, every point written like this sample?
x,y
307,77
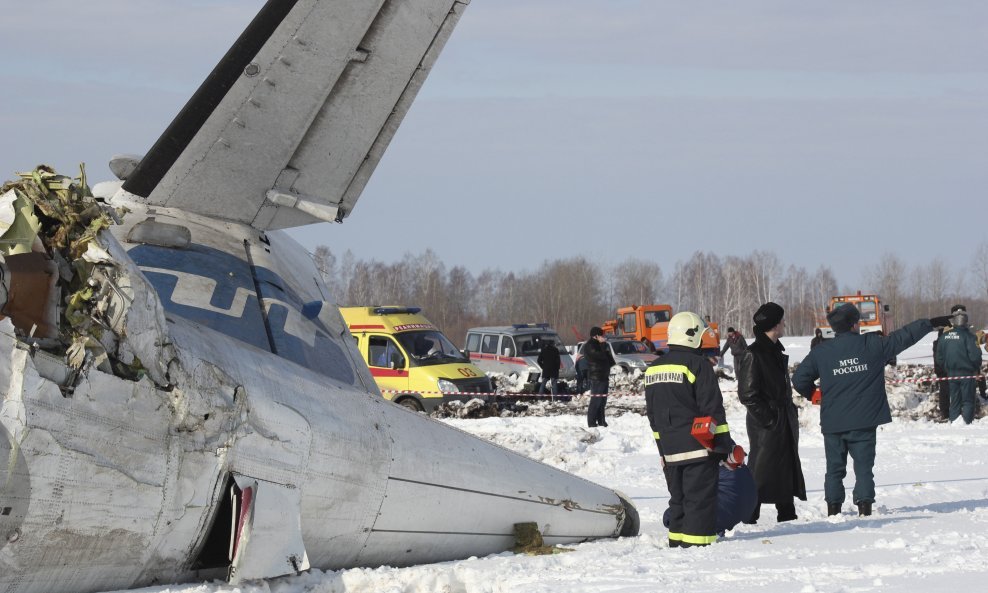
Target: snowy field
x,y
929,531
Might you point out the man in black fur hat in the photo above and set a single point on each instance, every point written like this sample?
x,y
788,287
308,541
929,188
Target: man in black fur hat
x,y
772,420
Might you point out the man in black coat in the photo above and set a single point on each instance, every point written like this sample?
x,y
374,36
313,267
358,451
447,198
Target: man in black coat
x,y
599,362
772,420
851,369
549,362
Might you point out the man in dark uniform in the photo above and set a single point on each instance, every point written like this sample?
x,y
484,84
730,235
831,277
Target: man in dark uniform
x,y
772,419
681,387
851,369
959,356
599,362
549,362
943,384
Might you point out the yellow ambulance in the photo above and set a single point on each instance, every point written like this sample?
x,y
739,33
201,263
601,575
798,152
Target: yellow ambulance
x,y
414,364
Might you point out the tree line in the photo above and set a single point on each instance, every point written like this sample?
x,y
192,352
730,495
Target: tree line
x,y
575,293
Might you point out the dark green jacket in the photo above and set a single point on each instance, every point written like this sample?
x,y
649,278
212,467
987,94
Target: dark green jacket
x,y
957,352
851,369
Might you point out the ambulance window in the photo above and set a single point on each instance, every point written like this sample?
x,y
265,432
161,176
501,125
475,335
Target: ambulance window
x,y
489,344
381,351
507,346
473,342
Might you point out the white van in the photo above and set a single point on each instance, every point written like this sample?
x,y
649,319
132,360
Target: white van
x,y
514,350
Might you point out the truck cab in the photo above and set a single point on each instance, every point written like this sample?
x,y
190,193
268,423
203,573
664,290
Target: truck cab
x,y
874,314
413,363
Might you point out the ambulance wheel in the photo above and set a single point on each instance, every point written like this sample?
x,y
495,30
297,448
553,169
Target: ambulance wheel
x,y
411,403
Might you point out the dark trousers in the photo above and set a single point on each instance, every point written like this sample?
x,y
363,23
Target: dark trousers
x,y
861,445
943,396
692,503
962,399
595,411
553,384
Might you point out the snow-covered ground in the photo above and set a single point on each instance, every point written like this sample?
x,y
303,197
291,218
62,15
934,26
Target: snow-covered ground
x,y
929,531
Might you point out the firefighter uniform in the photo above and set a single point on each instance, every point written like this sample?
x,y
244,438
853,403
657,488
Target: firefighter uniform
x,y
680,387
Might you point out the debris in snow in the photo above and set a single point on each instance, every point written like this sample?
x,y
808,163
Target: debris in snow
x,y
61,282
528,540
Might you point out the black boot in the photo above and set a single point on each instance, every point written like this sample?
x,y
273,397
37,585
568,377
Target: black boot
x,y
864,509
833,508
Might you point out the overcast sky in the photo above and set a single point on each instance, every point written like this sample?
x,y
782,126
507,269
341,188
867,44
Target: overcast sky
x,y
828,132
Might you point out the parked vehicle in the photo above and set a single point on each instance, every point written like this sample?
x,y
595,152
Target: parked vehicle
x,y
414,364
652,322
874,314
514,350
630,355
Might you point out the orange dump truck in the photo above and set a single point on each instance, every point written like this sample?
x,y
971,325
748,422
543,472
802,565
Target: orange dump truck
x,y
652,322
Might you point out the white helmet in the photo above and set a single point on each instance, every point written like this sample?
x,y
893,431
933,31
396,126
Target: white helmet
x,y
686,329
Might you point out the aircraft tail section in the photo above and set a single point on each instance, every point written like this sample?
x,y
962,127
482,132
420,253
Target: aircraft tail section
x,y
289,126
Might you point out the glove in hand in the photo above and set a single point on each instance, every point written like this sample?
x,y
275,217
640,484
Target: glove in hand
x,y
734,458
816,397
942,321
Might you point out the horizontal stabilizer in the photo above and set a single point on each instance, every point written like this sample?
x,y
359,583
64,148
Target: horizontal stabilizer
x,y
289,126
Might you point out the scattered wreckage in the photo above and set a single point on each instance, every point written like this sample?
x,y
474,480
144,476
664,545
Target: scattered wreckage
x,y
181,399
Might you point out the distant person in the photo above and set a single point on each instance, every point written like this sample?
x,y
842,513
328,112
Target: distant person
x,y
851,369
649,345
772,419
679,388
549,362
943,382
817,338
736,343
982,343
959,356
599,362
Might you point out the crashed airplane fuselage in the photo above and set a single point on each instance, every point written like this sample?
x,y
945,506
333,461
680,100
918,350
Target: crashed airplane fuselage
x,y
196,408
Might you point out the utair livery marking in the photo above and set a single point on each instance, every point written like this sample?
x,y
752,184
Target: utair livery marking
x,y
850,365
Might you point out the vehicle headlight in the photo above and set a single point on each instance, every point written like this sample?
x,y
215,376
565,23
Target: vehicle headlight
x,y
639,363
447,386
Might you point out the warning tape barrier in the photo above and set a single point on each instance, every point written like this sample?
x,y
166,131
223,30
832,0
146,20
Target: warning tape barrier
x,y
623,393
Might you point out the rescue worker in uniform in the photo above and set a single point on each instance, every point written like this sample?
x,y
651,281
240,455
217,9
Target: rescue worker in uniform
x,y
959,356
851,369
599,362
679,388
772,419
943,383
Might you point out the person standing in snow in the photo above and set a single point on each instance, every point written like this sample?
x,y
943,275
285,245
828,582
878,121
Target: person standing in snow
x,y
817,338
736,343
681,387
549,361
959,356
772,419
599,362
851,369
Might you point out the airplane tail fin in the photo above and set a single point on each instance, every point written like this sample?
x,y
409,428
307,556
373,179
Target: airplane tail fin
x,y
291,123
